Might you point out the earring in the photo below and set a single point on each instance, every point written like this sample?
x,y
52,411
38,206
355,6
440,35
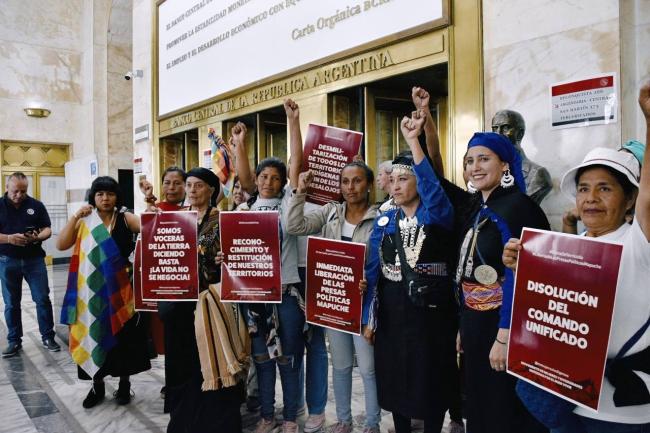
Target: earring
x,y
471,188
507,179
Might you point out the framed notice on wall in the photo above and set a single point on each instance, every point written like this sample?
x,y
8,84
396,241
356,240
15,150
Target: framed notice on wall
x,y
584,102
282,35
562,313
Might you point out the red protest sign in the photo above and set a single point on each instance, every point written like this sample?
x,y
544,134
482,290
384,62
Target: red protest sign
x,y
562,313
332,297
169,256
327,150
140,304
250,242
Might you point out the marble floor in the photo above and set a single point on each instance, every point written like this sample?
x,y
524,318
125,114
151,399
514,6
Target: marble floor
x,y
40,391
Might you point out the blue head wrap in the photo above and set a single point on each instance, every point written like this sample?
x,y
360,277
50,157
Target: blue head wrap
x,y
505,150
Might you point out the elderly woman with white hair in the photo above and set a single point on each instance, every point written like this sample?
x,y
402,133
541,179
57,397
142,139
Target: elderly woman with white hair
x,y
604,187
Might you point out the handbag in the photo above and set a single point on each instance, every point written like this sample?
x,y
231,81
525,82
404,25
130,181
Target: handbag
x,y
553,411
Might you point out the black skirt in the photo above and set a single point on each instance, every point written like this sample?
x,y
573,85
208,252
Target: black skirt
x,y
415,354
191,409
492,405
129,356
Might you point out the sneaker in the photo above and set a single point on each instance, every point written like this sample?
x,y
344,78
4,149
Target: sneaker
x,y
123,394
252,403
374,429
265,425
95,395
456,427
12,349
289,427
342,427
314,423
51,345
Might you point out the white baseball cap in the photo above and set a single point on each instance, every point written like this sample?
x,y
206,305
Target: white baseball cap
x,y
623,162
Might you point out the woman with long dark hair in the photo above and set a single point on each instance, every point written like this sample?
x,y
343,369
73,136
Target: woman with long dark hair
x,y
350,221
270,324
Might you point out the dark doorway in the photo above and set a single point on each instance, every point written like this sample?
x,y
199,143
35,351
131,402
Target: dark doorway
x,y
125,179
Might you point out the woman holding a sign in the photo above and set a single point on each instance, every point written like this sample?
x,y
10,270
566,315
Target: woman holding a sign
x,y
498,208
412,310
604,187
276,329
102,232
350,221
197,403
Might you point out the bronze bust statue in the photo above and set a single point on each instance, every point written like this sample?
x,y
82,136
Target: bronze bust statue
x,y
538,179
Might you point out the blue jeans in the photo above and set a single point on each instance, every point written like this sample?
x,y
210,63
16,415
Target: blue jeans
x,y
317,367
291,320
582,424
316,389
12,272
343,346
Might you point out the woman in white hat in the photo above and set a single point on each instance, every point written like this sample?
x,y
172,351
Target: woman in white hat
x,y
604,187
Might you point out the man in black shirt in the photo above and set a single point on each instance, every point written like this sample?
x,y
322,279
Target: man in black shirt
x,y
24,225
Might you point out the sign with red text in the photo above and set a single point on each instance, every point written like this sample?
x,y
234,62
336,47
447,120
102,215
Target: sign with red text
x,y
140,304
250,242
169,256
327,151
332,296
562,311
585,102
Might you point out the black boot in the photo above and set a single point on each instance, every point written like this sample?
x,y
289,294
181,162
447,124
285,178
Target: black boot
x,y
95,395
123,393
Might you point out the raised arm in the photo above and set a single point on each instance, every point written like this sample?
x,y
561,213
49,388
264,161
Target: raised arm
x,y
242,165
295,141
642,210
421,99
411,129
439,209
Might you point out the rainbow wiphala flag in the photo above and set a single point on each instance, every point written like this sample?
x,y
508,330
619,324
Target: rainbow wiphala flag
x,y
223,163
99,298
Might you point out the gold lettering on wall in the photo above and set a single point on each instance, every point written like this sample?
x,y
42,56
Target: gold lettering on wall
x,y
311,79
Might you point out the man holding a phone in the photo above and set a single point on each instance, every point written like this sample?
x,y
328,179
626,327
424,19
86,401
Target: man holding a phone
x,y
24,225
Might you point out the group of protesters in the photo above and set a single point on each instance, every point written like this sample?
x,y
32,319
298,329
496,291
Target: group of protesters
x,y
437,287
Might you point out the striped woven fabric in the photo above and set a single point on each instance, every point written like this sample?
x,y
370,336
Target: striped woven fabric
x,y
99,298
223,163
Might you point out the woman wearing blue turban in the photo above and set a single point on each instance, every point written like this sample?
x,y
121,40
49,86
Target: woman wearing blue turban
x,y
498,209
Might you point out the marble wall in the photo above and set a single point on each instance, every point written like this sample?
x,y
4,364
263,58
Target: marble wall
x,y
42,64
119,98
635,64
142,93
531,45
59,55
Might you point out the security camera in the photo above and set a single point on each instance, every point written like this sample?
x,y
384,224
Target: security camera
x,y
133,74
